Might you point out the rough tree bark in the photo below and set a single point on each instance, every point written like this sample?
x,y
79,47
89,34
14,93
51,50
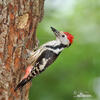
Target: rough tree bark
x,y
18,23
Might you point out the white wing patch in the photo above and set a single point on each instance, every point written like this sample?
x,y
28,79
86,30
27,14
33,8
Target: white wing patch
x,y
41,67
54,43
56,50
34,56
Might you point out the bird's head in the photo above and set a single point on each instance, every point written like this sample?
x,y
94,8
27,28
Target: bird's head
x,y
64,37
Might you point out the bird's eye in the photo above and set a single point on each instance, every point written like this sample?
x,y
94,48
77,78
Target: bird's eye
x,y
63,35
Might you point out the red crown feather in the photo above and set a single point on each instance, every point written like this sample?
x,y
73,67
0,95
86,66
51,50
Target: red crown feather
x,y
69,36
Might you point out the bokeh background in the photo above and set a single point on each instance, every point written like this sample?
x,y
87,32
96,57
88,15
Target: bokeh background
x,y
75,75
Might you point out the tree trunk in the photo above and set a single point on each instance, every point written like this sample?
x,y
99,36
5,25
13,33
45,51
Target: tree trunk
x,y
18,23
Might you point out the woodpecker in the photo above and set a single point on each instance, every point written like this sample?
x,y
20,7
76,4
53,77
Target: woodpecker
x,y
45,55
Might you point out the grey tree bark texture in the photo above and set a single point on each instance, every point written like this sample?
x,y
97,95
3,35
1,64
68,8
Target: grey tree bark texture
x,y
18,23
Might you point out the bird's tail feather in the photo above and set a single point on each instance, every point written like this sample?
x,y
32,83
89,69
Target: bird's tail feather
x,y
22,83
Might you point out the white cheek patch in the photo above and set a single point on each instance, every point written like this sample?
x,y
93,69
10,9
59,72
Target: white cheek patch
x,y
65,41
68,41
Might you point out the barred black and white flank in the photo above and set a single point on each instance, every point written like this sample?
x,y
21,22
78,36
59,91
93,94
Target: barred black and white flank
x,y
45,55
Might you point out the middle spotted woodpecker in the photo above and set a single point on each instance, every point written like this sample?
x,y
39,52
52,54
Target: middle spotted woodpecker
x,y
45,55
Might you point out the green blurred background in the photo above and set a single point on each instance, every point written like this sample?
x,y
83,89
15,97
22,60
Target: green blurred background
x,y
75,75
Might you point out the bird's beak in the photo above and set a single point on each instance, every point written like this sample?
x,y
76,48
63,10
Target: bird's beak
x,y
56,32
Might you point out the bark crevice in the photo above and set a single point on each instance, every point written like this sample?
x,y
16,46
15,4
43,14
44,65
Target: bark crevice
x,y
18,23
